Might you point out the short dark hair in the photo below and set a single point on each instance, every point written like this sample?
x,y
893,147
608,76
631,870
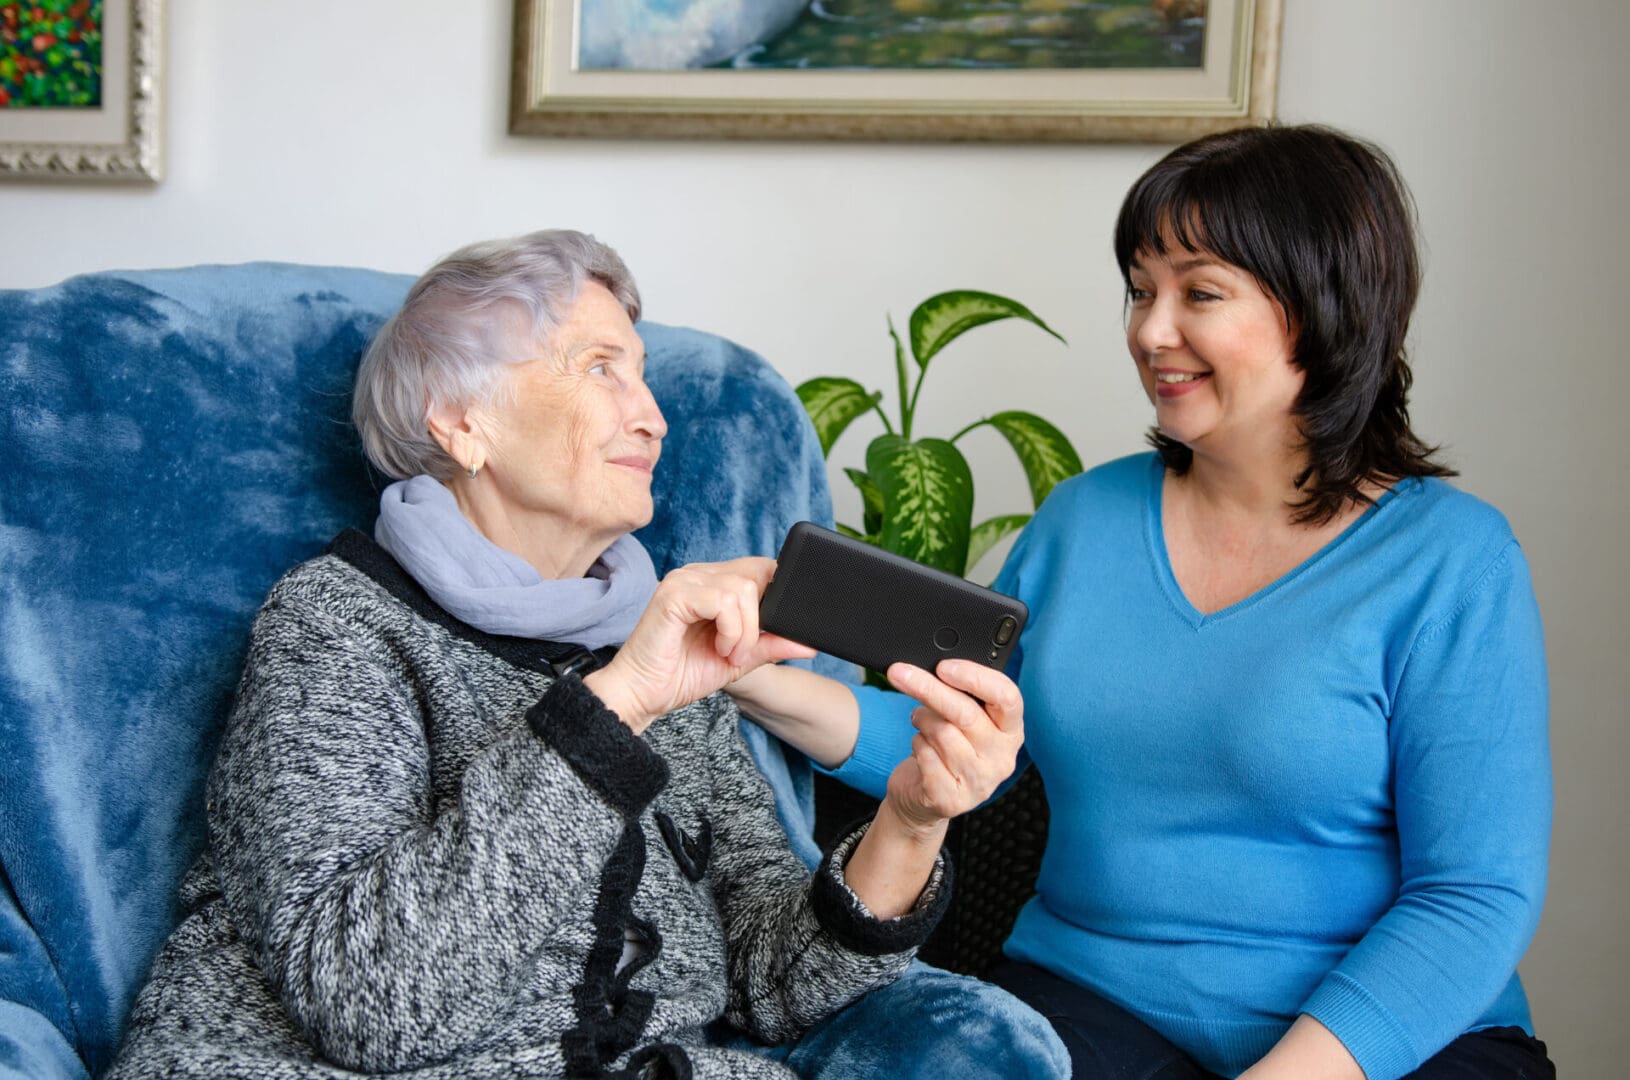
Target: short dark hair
x,y
1325,224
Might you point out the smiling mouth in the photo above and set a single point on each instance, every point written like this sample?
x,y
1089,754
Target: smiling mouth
x,y
1178,376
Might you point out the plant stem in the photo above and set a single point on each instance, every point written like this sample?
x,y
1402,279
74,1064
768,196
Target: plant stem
x,y
877,407
970,427
900,372
916,390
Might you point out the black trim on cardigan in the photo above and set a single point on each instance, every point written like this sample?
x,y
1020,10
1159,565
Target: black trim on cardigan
x,y
659,1061
692,854
361,551
619,765
611,1017
840,912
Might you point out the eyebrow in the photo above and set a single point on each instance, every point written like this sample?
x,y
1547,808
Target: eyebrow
x,y
605,346
1194,263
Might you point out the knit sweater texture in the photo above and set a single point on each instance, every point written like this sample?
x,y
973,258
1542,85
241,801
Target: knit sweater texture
x,y
1332,797
427,854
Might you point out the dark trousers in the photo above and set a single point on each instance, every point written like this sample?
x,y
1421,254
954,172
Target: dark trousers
x,y
1108,1043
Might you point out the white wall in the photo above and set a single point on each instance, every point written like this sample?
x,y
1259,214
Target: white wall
x,y
371,132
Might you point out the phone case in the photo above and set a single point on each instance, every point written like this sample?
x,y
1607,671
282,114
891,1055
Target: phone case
x,y
873,607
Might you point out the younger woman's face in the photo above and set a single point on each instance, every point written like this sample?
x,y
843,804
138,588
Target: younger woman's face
x,y
1215,354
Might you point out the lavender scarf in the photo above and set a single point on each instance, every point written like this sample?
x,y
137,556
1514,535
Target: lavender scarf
x,y
494,590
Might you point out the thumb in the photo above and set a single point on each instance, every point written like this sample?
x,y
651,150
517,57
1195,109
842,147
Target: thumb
x,y
773,648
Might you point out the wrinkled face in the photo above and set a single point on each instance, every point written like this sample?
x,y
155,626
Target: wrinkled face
x,y
1214,352
574,434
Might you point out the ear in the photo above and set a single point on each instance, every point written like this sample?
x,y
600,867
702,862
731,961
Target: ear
x,y
457,430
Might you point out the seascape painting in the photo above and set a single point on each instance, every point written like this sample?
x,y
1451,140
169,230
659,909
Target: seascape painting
x,y
51,54
875,35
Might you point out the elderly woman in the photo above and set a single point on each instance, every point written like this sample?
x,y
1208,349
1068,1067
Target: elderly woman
x,y
1285,683
454,829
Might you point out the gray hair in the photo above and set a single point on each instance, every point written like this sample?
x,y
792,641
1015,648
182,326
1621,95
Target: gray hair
x,y
451,342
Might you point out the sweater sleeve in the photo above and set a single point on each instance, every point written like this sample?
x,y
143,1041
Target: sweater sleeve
x,y
884,740
798,946
1472,790
390,931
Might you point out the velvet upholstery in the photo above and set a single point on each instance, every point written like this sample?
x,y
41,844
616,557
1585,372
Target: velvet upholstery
x,y
176,440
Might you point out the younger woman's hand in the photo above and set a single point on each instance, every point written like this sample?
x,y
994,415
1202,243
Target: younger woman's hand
x,y
970,727
699,633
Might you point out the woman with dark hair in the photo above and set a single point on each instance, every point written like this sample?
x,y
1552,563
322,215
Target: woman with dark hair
x,y
1286,686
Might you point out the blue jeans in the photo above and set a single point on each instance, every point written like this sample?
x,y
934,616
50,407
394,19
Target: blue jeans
x,y
927,1025
1108,1043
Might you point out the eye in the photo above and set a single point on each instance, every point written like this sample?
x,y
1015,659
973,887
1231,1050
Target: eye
x,y
1200,296
1139,296
600,369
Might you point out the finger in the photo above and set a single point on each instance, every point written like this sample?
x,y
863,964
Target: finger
x,y
755,568
773,648
727,622
746,592
997,695
951,703
907,677
941,793
960,757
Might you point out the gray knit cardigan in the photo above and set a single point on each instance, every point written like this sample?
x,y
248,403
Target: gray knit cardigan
x,y
429,846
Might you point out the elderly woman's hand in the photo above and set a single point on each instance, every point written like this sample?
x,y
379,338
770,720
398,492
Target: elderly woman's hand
x,y
970,727
699,632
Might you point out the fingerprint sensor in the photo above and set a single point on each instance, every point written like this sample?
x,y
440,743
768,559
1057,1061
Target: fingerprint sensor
x,y
945,639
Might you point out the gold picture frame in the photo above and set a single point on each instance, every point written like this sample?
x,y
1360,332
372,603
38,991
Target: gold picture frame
x,y
1236,86
119,140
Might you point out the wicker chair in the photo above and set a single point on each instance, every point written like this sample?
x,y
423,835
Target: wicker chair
x,y
996,851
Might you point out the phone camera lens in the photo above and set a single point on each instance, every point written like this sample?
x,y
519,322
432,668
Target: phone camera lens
x,y
1004,630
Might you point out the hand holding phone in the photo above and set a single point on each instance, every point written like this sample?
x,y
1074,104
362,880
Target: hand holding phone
x,y
874,608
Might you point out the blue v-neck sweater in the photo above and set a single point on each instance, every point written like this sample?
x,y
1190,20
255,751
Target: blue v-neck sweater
x,y
1331,798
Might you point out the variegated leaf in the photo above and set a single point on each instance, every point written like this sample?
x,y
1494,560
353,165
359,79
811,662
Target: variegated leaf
x,y
833,404
987,534
944,317
927,499
871,498
1044,450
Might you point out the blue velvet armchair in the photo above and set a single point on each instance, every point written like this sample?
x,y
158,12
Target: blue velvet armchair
x,y
177,439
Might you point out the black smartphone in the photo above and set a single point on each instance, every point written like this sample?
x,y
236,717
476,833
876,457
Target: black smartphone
x,y
873,607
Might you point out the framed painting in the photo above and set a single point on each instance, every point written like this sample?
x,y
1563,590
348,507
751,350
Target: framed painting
x,y
1016,70
81,89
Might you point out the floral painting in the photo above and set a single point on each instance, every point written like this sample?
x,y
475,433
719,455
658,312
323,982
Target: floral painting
x,y
971,35
51,54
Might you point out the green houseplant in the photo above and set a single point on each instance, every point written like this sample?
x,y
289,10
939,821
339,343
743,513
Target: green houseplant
x,y
917,493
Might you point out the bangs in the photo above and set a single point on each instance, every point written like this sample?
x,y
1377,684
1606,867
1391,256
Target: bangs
x,y
1157,225
1236,210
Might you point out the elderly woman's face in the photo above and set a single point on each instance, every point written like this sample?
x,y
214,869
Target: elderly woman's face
x,y
576,433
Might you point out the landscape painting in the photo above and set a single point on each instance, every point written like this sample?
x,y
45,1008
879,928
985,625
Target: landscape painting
x,y
964,70
670,35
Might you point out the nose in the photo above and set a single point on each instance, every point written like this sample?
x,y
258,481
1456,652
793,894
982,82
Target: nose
x,y
645,416
1153,327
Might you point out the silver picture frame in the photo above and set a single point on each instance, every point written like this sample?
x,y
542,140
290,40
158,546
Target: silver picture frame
x,y
119,141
